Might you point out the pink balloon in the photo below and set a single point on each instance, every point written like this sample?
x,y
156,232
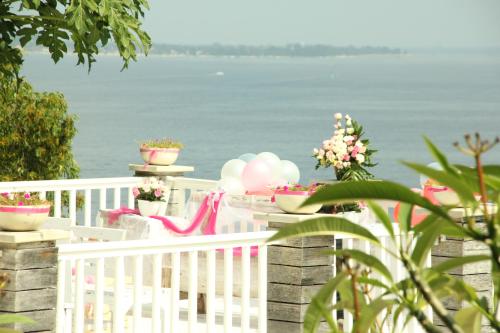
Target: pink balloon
x,y
256,175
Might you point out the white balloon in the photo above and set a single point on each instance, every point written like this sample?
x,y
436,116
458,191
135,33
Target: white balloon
x,y
233,168
290,172
232,185
247,157
273,161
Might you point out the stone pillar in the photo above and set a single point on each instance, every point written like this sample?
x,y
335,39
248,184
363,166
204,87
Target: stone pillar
x,y
28,266
297,269
477,275
177,196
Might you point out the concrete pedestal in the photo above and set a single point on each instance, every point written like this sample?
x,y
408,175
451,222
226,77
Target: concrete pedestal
x,y
28,267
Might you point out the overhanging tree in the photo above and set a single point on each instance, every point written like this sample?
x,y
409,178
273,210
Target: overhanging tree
x,y
84,24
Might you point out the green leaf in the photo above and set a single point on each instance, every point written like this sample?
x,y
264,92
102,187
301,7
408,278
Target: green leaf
x,y
460,261
370,313
373,282
363,258
469,319
404,216
367,190
315,310
325,226
440,157
382,216
424,244
458,185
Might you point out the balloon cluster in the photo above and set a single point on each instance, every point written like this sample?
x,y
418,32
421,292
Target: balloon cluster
x,y
255,174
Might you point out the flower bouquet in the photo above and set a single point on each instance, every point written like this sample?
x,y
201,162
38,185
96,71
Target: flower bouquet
x,y
22,211
160,151
290,198
346,151
152,197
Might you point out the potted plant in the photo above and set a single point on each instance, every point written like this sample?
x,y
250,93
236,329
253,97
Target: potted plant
x,y
290,198
160,151
22,211
152,197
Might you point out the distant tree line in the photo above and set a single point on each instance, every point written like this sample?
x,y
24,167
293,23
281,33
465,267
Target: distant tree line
x,y
289,50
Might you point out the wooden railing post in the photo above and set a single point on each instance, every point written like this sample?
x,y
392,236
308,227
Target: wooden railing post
x,y
28,266
296,270
477,275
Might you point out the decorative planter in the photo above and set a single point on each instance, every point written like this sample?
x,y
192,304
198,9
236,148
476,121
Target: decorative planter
x,y
23,218
159,156
152,208
291,202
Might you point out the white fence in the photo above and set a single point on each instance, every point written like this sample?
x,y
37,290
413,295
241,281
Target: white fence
x,y
101,192
133,292
144,280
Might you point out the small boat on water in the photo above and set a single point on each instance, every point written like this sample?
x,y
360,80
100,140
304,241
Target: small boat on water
x,y
219,74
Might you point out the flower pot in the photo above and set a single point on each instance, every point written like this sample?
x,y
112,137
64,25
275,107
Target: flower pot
x,y
159,156
291,202
23,218
152,208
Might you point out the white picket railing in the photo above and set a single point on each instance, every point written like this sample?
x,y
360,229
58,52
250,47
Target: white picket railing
x,y
101,192
166,307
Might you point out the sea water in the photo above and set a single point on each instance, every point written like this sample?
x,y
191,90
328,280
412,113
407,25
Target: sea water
x,y
221,108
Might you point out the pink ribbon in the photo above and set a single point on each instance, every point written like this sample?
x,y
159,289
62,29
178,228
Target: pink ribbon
x,y
212,201
25,209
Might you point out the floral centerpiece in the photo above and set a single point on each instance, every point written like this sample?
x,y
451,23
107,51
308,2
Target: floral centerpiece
x,y
152,197
291,197
346,151
22,211
160,151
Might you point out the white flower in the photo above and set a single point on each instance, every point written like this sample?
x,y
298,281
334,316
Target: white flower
x,y
346,164
360,158
348,122
321,153
342,131
347,117
146,187
338,116
348,138
315,151
350,130
359,144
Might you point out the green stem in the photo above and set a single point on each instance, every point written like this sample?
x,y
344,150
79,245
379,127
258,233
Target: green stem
x,y
426,291
31,18
422,318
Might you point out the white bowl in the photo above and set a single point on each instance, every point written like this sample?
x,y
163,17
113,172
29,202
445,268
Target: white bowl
x,y
447,197
152,208
291,203
159,156
23,218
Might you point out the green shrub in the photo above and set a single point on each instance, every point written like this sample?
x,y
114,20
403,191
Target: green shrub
x,y
36,134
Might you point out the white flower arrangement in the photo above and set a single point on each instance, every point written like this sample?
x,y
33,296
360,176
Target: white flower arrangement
x,y
151,189
346,151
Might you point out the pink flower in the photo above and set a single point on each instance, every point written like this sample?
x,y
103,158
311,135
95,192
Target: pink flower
x,y
5,194
355,151
158,193
27,195
363,150
20,203
346,157
135,192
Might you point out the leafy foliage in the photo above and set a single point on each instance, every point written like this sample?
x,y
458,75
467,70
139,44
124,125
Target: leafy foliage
x,y
425,286
36,134
86,24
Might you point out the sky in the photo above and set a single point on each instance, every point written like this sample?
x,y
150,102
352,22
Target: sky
x,y
393,23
